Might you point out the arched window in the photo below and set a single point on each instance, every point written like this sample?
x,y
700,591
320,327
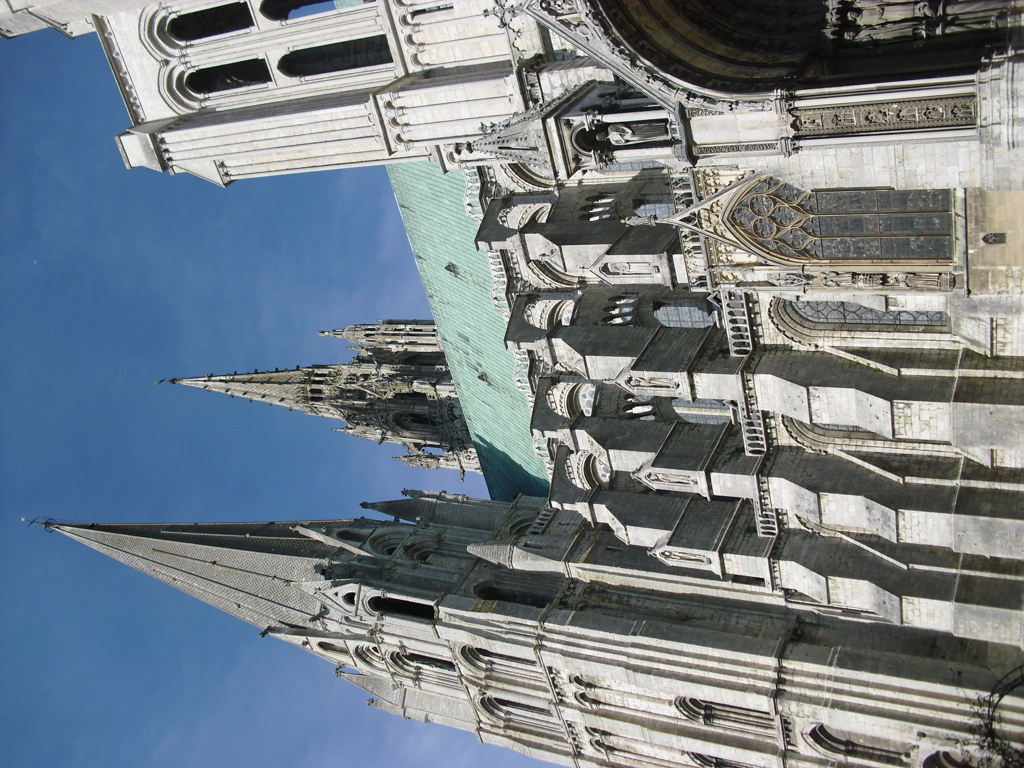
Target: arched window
x,y
945,760
227,77
484,660
390,606
518,714
620,310
683,313
327,647
725,716
506,595
586,471
279,10
336,57
570,399
840,743
846,324
637,407
208,22
371,657
707,761
413,663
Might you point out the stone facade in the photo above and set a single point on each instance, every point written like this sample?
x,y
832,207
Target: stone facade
x,y
397,389
543,633
761,267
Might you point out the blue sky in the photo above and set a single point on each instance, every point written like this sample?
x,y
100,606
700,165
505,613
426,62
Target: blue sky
x,y
112,279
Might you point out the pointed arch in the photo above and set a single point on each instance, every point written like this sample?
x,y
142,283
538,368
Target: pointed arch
x,y
336,57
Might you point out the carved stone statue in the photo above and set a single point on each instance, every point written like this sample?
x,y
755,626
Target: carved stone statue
x,y
625,134
883,20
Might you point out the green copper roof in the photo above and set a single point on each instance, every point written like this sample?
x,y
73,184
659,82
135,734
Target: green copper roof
x,y
458,283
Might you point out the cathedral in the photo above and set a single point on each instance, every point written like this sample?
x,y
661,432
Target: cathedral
x,y
729,305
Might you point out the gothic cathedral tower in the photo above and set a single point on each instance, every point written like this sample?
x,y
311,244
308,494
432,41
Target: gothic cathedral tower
x,y
397,389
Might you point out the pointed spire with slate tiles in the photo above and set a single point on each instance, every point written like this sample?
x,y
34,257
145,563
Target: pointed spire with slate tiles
x,y
250,570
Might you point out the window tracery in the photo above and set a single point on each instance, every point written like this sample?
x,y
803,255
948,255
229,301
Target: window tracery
x,y
586,471
845,312
547,313
370,656
847,323
336,57
796,225
570,399
620,310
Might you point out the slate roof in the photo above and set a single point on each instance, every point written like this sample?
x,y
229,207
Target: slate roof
x,y
457,279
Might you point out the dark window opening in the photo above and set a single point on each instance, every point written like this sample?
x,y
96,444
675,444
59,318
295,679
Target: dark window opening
x,y
279,10
840,743
208,22
753,581
517,596
227,77
428,661
336,57
323,645
507,704
347,535
389,606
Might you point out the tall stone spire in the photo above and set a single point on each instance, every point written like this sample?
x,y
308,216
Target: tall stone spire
x,y
289,388
246,569
396,389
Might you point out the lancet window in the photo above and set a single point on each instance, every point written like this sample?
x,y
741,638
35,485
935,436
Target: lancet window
x,y
519,714
414,663
219,20
228,77
839,743
390,606
683,313
484,660
725,715
945,760
337,650
845,323
336,57
620,310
